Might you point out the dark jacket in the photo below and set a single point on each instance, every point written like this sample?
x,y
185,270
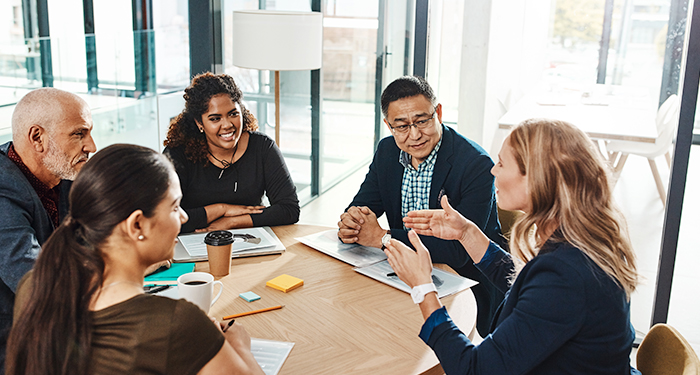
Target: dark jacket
x,y
24,227
563,315
463,173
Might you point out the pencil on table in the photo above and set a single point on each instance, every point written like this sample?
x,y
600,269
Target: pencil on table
x,y
252,312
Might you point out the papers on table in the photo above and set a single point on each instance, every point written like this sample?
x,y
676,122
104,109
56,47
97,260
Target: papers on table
x,y
269,354
371,262
445,282
328,243
243,239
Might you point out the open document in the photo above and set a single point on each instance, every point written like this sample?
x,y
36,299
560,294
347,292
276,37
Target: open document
x,y
328,243
269,354
371,262
445,282
246,242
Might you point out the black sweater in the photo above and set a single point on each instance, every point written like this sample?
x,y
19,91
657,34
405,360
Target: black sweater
x,y
261,170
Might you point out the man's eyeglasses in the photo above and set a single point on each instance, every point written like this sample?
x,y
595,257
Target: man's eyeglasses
x,y
421,123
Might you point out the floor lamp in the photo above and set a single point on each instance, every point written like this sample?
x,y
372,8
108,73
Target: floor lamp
x,y
276,40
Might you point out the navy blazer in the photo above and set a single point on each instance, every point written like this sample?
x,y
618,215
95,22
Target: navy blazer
x,y
462,172
563,315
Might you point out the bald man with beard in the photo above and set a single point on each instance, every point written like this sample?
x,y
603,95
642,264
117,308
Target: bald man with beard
x,y
51,142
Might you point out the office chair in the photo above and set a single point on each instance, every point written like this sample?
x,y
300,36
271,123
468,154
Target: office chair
x,y
507,219
664,351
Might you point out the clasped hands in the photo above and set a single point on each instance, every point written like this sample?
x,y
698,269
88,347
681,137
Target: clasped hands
x,y
359,225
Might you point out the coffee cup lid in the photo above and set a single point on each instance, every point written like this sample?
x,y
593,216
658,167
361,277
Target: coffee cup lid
x,y
219,238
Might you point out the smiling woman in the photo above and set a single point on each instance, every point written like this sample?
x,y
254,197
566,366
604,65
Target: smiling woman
x,y
225,166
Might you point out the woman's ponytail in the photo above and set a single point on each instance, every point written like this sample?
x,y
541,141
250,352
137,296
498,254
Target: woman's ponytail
x,y
52,333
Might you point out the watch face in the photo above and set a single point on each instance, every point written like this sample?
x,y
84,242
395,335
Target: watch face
x,y
385,239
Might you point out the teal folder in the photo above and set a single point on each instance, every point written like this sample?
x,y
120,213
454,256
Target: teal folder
x,y
172,273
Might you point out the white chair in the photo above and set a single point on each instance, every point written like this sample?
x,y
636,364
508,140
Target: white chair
x,y
666,125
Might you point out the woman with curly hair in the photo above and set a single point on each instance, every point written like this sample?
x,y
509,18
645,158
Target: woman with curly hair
x,y
225,166
568,283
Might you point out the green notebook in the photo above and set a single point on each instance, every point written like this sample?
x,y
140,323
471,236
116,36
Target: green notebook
x,y
172,273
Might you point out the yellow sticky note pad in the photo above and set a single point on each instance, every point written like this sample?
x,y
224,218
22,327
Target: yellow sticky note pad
x,y
285,283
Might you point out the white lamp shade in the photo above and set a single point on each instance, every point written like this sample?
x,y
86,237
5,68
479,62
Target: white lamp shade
x,y
272,40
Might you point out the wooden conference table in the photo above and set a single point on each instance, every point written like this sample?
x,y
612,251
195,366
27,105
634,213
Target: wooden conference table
x,y
604,112
340,321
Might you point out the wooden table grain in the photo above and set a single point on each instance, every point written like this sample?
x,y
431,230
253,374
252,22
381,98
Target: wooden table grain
x,y
340,321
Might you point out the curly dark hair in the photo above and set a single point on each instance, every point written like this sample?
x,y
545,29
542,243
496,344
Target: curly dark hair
x,y
183,128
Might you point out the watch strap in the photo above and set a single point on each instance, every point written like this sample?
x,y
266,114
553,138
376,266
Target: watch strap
x,y
419,291
384,243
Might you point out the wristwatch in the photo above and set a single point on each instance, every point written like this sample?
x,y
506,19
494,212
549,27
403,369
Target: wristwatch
x,y
385,239
419,291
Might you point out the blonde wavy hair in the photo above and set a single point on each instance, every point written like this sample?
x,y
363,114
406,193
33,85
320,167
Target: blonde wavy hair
x,y
569,190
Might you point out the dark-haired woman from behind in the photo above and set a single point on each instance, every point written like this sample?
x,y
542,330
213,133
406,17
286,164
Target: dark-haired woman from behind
x,y
225,165
82,309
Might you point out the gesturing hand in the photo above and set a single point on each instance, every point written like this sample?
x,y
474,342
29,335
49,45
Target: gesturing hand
x,y
447,223
412,267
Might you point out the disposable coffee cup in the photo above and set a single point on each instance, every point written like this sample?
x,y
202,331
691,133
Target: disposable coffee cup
x,y
219,251
198,288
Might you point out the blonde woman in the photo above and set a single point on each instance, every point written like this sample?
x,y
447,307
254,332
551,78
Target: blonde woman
x,y
570,276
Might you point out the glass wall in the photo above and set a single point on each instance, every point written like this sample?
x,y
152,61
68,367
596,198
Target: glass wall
x,y
444,55
348,74
349,70
544,59
121,114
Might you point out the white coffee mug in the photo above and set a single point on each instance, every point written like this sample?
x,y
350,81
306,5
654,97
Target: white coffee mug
x,y
198,288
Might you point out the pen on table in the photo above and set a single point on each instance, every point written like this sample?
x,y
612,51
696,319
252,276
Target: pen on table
x,y
157,289
154,285
229,325
252,312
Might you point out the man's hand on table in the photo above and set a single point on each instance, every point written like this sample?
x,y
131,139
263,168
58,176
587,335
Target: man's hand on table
x,y
359,225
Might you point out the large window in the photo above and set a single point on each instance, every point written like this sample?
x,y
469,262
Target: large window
x,y
546,56
347,89
96,53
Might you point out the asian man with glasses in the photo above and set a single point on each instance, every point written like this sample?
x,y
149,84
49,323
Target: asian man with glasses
x,y
412,170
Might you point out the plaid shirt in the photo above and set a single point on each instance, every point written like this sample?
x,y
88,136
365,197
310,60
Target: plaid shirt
x,y
415,187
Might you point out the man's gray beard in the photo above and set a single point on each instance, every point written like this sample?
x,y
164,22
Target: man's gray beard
x,y
58,163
